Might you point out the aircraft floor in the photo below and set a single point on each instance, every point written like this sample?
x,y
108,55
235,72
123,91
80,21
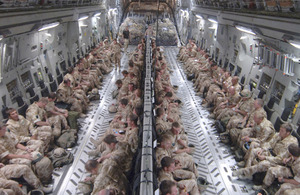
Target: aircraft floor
x,y
215,160
66,179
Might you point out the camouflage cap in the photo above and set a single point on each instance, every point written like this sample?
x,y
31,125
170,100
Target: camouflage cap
x,y
246,93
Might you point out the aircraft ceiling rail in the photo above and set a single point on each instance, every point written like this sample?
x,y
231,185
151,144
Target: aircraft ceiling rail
x,y
146,177
29,4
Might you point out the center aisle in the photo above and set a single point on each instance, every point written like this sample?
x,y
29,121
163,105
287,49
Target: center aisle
x,y
94,126
215,159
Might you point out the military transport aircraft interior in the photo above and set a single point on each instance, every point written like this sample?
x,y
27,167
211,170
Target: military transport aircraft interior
x,y
150,97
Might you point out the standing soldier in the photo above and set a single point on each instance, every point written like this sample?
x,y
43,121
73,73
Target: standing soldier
x,y
126,36
116,49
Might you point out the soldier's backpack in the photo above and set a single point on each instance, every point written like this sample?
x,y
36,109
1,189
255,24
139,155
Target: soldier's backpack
x,y
67,139
72,119
61,157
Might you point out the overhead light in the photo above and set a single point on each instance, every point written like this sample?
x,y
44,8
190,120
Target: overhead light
x,y
212,20
98,17
198,16
48,34
48,26
83,25
243,37
294,43
83,18
246,30
1,37
98,14
212,27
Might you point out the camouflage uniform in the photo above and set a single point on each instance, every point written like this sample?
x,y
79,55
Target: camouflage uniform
x,y
10,187
116,58
282,171
162,126
35,114
8,146
111,171
65,94
17,171
21,129
246,106
278,146
185,160
190,184
57,121
288,189
249,131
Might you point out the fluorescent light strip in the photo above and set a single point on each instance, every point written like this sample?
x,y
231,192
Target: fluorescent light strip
x,y
48,26
246,30
98,14
1,37
212,20
295,44
83,18
198,16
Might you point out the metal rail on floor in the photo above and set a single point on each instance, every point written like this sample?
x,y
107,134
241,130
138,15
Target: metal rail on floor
x,y
146,178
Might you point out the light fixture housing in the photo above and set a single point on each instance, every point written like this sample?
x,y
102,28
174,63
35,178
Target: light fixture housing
x,y
83,18
212,20
244,29
48,26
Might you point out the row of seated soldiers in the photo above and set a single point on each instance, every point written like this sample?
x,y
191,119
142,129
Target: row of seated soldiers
x,y
173,155
111,163
87,75
26,143
243,123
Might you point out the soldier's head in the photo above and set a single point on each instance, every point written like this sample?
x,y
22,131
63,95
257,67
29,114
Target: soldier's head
x,y
285,130
160,112
123,102
42,102
131,87
110,140
168,164
294,150
12,114
2,129
176,129
131,75
52,97
124,73
67,82
138,93
130,64
259,117
132,120
258,103
246,94
235,80
165,141
119,83
70,70
168,187
138,110
227,74
91,166
169,94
